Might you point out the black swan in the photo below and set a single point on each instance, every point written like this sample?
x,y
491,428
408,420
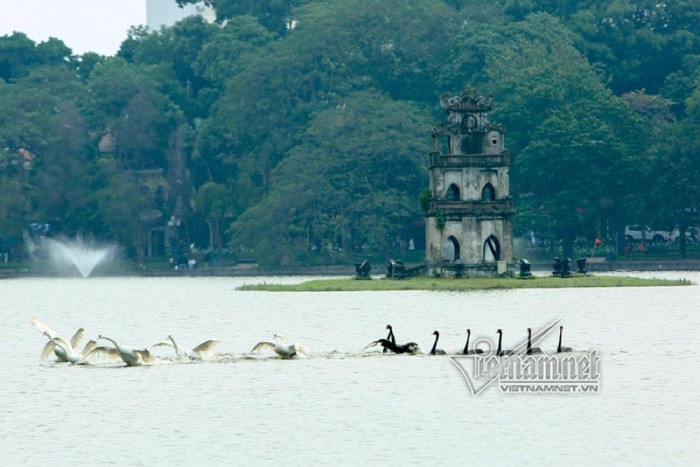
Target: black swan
x,y
466,346
435,350
411,347
390,336
530,349
500,352
559,347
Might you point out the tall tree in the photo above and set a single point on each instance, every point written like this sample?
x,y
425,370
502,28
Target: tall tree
x,y
275,15
44,138
574,143
352,182
336,49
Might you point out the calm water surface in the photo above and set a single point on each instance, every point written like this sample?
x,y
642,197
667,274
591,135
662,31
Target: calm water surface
x,y
344,404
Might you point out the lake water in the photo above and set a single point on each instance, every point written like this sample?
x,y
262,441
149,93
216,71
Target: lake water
x,y
344,404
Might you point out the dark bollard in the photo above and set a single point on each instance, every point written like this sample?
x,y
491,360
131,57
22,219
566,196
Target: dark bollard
x,y
582,265
566,267
525,268
363,270
399,270
556,266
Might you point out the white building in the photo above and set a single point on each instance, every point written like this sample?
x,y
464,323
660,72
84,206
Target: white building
x,y
161,13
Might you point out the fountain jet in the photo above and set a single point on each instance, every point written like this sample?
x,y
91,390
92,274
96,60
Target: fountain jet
x,y
84,257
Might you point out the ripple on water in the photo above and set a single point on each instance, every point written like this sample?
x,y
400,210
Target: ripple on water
x,y
343,404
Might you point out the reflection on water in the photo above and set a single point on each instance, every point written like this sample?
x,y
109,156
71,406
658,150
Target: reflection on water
x,y
344,403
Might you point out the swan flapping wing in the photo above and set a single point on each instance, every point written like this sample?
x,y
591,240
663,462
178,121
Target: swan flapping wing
x,y
48,348
52,345
103,351
42,327
302,349
91,344
163,344
263,345
77,337
144,355
205,346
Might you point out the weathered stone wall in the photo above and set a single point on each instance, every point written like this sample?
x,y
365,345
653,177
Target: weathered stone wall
x,y
469,155
470,181
471,233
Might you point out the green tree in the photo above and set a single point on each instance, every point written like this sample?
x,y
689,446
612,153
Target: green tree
x,y
574,143
214,203
275,15
121,204
219,58
43,136
19,54
675,190
127,103
351,182
336,49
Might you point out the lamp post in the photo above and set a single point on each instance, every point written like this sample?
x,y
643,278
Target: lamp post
x,y
173,235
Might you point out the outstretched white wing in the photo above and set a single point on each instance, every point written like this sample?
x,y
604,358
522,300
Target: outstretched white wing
x,y
163,344
77,337
91,344
144,355
43,327
48,348
302,349
263,345
206,346
102,351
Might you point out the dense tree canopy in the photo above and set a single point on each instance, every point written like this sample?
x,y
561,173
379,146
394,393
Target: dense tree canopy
x,y
347,185
298,131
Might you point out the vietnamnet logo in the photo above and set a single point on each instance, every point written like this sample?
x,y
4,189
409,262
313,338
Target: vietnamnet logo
x,y
571,372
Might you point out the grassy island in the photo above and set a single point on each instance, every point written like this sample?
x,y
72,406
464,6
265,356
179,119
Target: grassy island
x,y
431,283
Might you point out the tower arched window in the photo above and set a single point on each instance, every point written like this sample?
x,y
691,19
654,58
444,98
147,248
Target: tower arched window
x,y
488,193
492,250
452,193
450,249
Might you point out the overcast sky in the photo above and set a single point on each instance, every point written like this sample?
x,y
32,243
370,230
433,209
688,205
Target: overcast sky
x,y
83,25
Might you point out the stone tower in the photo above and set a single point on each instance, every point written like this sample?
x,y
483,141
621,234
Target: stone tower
x,y
469,221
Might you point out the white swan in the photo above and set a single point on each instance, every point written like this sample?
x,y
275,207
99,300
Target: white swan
x,y
69,353
198,353
281,348
132,357
64,350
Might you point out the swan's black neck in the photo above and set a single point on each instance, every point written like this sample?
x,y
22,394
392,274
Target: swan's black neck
x,y
466,345
559,346
529,344
437,336
500,338
390,336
